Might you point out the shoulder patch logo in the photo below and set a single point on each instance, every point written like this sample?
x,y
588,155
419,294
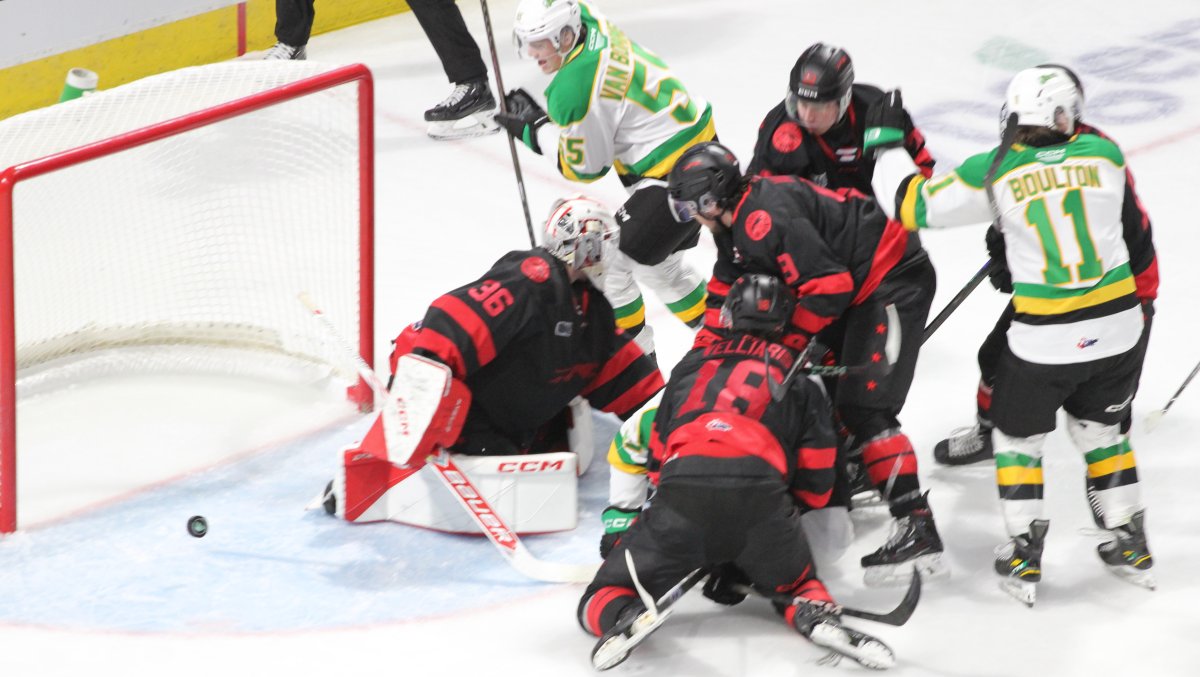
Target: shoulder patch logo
x,y
787,137
535,269
758,224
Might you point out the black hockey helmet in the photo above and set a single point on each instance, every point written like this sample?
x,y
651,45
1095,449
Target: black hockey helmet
x,y
822,73
758,304
703,181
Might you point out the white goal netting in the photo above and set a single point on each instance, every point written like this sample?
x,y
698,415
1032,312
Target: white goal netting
x,y
174,252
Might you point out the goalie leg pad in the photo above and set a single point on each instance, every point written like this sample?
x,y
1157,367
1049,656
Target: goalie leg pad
x,y
424,411
534,493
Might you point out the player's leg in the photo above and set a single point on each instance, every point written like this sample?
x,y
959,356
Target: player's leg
x,y
1025,402
654,241
974,443
867,404
1094,416
468,109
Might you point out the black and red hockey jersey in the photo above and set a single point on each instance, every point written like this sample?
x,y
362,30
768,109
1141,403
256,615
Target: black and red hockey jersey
x,y
833,248
526,340
718,420
834,159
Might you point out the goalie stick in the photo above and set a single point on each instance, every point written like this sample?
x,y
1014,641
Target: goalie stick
x,y
778,389
456,481
897,616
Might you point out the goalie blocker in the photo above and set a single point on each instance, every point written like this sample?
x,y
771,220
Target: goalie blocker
x,y
424,412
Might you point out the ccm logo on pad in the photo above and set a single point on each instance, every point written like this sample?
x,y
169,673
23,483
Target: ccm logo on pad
x,y
530,466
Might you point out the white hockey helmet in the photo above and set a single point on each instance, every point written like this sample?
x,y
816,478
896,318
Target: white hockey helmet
x,y
544,20
578,232
1043,97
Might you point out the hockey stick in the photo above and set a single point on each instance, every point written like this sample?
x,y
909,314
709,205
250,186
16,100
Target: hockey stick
x,y
477,507
512,146
1152,419
897,616
615,646
778,389
957,300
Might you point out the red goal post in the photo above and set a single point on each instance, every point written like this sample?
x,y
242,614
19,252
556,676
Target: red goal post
x,y
171,222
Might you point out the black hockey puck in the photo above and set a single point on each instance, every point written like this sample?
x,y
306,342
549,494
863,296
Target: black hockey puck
x,y
198,526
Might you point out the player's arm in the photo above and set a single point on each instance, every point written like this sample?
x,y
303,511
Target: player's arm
x,y
468,327
763,164
1139,240
823,285
626,380
628,483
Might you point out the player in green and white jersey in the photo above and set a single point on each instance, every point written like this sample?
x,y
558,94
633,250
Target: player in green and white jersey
x,y
614,105
1060,199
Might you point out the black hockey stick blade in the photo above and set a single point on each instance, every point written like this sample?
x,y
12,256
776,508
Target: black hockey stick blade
x,y
897,616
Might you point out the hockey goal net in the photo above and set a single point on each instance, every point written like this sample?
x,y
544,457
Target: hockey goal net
x,y
169,224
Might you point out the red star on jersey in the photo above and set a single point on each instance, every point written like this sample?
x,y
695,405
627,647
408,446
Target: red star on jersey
x,y
871,385
875,357
881,328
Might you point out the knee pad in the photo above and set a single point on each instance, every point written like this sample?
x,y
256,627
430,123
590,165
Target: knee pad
x,y
1027,446
866,423
1090,435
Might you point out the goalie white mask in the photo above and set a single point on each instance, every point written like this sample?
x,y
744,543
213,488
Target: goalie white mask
x,y
1043,97
578,233
544,20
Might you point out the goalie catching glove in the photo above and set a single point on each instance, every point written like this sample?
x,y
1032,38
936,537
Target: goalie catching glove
x,y
522,118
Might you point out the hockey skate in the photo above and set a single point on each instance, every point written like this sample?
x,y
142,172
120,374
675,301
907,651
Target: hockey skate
x,y
1127,554
863,494
913,543
965,446
820,623
467,112
282,52
1020,562
636,623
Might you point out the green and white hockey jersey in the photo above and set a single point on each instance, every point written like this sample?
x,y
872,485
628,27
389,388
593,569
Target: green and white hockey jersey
x,y
1061,216
628,455
616,104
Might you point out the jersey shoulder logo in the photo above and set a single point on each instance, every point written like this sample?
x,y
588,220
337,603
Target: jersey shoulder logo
x,y
536,269
758,224
787,137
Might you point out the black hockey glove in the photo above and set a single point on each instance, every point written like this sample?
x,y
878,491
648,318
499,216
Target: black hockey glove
x,y
523,118
719,586
998,273
616,522
886,124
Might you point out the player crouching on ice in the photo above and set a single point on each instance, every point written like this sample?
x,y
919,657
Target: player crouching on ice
x,y
521,343
731,465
